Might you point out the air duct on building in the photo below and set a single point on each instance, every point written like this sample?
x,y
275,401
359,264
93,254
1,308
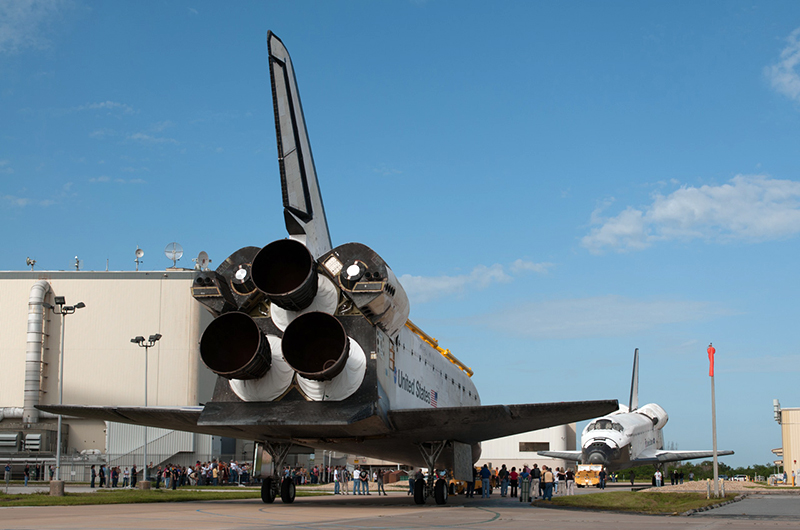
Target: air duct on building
x,y
15,413
33,353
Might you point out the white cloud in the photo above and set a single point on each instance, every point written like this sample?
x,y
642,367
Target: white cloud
x,y
108,106
603,316
748,208
106,178
521,266
783,75
16,201
161,125
23,23
22,202
146,138
386,171
5,168
102,133
421,289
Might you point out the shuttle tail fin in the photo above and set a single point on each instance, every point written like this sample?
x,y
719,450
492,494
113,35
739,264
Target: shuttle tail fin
x,y
634,401
302,202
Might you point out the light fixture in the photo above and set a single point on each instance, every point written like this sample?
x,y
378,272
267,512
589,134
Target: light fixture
x,y
146,344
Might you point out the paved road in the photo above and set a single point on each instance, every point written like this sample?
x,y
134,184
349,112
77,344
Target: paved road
x,y
380,513
759,507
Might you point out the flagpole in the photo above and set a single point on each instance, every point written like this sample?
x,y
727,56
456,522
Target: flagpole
x,y
711,352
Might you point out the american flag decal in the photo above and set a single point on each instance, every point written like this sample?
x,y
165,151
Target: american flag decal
x,y
434,397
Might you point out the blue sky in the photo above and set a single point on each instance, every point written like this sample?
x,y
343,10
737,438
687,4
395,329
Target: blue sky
x,y
556,184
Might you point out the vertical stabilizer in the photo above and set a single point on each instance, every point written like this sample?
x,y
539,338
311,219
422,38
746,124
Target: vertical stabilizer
x,y
302,201
634,401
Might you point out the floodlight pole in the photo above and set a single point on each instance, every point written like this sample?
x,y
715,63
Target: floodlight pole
x,y
62,310
146,344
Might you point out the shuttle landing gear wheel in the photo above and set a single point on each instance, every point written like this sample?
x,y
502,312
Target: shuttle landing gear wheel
x,y
430,453
271,485
267,492
440,493
287,491
452,489
419,491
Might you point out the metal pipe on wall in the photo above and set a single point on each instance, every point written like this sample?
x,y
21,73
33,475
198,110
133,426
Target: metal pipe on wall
x,y
33,353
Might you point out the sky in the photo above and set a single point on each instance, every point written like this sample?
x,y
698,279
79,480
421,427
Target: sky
x,y
555,184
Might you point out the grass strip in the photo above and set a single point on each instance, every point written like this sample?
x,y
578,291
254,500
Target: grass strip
x,y
131,497
637,502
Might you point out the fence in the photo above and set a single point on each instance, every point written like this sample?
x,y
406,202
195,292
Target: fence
x,y
78,468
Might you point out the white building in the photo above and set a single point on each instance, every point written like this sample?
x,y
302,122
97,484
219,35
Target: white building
x,y
101,365
519,450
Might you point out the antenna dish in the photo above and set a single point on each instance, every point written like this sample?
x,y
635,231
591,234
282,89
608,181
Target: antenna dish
x,y
174,252
139,255
203,261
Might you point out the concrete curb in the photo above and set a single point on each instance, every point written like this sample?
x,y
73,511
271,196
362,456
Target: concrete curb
x,y
713,506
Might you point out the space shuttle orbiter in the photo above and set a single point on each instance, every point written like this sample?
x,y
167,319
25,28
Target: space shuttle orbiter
x,y
313,346
631,436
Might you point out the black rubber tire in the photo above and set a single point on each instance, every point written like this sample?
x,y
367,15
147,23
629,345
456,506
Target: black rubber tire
x,y
267,494
287,491
419,491
452,489
440,491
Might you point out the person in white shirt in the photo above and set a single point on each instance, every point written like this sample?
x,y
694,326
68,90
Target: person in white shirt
x,y
356,482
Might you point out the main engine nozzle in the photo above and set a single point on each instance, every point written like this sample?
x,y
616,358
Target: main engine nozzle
x,y
286,272
316,346
234,347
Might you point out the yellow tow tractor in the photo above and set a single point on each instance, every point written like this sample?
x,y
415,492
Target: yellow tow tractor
x,y
457,487
588,475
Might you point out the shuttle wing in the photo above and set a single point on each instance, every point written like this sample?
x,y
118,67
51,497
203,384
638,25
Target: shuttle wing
x,y
465,424
303,211
172,418
675,456
574,456
477,424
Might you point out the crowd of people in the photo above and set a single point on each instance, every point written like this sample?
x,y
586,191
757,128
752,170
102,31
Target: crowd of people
x,y
32,472
172,476
530,483
360,478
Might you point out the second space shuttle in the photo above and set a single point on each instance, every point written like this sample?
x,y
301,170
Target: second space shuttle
x,y
629,437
